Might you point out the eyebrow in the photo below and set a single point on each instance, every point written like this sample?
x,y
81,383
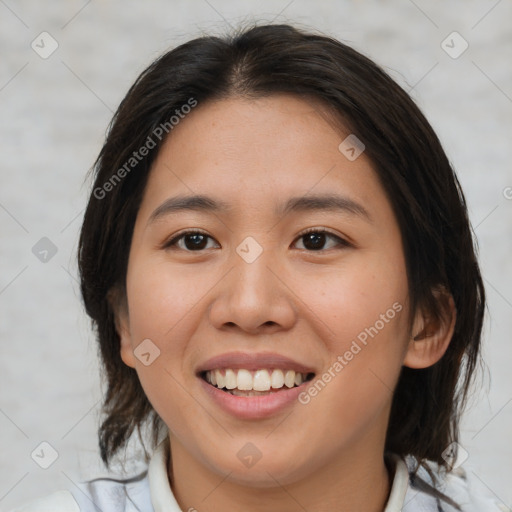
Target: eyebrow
x,y
202,203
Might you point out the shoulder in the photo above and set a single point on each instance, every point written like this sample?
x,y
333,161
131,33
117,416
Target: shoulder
x,y
454,491
105,494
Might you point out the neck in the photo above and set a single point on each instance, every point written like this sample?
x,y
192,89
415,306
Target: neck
x,y
350,481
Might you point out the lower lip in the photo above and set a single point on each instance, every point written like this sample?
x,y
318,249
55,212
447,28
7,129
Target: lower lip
x,y
253,407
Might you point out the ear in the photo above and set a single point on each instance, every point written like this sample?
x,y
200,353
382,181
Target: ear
x,y
117,301
431,335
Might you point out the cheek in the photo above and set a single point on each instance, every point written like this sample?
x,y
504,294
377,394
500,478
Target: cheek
x,y
161,302
362,294
363,308
162,308
364,305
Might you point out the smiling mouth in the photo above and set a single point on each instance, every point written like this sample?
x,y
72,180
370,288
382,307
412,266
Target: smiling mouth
x,y
241,382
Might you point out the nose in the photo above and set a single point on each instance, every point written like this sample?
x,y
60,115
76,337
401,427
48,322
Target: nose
x,y
253,297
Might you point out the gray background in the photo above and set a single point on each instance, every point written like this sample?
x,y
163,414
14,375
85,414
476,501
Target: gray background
x,y
54,113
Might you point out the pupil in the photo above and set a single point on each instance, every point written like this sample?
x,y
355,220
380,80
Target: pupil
x,y
198,240
317,239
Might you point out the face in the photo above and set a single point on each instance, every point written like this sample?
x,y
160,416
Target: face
x,y
254,294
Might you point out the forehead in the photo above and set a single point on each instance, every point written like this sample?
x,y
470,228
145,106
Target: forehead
x,y
250,152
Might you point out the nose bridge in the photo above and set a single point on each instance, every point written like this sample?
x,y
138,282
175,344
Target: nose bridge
x,y
252,294
253,279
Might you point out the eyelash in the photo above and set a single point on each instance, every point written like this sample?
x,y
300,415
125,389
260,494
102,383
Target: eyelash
x,y
175,239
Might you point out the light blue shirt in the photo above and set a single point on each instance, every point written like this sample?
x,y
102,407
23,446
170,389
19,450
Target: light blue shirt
x,y
151,492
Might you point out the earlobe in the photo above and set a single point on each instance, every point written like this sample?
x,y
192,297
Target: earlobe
x,y
431,336
125,343
122,324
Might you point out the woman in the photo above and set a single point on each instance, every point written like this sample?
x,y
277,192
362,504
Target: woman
x,y
278,262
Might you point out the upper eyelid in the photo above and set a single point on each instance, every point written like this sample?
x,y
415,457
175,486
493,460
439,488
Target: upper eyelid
x,y
178,236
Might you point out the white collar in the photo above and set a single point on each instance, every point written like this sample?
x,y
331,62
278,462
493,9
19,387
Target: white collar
x,y
163,499
399,487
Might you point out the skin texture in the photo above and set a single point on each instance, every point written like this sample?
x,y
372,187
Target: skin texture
x,y
305,304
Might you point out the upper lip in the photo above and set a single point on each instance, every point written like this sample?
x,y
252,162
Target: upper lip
x,y
253,361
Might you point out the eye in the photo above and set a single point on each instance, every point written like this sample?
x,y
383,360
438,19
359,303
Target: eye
x,y
315,238
192,241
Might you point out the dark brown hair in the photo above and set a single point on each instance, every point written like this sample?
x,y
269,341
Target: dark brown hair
x,y
420,183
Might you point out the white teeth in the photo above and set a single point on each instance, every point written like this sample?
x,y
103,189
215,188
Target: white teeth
x,y
257,381
244,380
289,379
230,379
219,379
277,379
261,381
